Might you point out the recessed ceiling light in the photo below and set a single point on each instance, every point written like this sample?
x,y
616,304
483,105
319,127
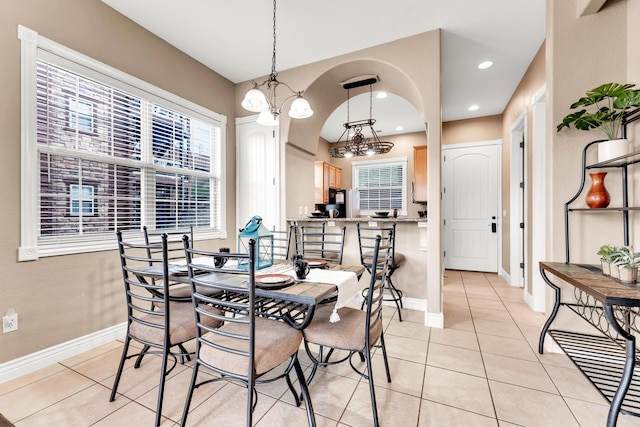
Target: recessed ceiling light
x,y
399,128
484,65
381,95
473,107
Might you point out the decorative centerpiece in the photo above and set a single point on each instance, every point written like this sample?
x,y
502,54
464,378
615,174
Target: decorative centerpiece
x,y
264,243
609,102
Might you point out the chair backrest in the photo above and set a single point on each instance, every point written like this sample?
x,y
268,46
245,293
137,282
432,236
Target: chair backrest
x,y
282,240
147,299
175,247
235,297
379,268
366,240
318,243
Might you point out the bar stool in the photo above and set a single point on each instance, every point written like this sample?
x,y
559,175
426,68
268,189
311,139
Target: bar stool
x,y
366,240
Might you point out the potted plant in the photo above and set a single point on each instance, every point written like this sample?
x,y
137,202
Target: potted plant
x,y
605,258
627,262
609,103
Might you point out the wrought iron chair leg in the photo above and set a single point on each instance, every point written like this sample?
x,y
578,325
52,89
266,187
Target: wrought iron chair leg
x,y
311,419
163,376
374,406
185,412
120,369
384,356
143,352
289,383
183,354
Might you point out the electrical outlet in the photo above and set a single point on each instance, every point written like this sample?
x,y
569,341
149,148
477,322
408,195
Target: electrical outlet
x,y
10,323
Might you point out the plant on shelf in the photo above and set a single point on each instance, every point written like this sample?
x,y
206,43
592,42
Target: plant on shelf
x,y
605,252
627,262
608,105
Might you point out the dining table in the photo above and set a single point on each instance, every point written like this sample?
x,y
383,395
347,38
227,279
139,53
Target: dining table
x,y
291,299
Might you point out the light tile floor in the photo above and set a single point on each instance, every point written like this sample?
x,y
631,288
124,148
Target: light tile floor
x,y
482,369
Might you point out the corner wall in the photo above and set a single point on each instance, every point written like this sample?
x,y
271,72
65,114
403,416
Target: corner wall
x,y
65,297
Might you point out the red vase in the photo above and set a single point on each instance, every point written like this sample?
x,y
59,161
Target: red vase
x,y
598,196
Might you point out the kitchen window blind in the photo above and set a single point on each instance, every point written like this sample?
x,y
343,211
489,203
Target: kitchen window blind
x,y
116,156
380,185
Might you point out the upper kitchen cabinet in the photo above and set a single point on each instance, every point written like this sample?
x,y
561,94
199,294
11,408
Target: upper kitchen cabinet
x,y
420,174
326,176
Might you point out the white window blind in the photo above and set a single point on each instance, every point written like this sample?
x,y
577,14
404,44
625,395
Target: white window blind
x,y
381,185
112,155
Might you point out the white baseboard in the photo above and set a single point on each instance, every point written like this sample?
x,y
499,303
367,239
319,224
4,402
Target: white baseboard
x,y
505,275
434,320
412,303
43,358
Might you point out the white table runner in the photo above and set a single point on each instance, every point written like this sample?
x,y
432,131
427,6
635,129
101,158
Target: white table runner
x,y
345,281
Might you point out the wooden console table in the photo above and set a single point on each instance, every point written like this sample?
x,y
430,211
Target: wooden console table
x,y
613,309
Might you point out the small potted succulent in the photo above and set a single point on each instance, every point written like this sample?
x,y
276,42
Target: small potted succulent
x,y
627,262
605,258
608,104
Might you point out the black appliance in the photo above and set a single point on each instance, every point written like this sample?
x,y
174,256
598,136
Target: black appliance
x,y
337,200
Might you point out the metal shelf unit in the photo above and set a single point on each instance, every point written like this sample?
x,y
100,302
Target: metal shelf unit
x,y
623,163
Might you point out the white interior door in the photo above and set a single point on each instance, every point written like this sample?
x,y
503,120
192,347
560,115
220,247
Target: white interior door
x,y
257,177
471,206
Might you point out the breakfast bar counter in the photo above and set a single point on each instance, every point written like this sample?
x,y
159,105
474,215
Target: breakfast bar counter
x,y
411,241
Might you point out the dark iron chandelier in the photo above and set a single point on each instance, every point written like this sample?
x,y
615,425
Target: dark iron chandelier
x,y
355,142
258,101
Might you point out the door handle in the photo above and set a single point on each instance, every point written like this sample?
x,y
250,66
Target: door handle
x,y
493,227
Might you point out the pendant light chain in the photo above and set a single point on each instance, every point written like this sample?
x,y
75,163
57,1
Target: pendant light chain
x,y
262,97
370,103
273,58
348,98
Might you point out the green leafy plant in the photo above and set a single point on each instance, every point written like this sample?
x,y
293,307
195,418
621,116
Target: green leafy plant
x,y
624,256
605,252
610,102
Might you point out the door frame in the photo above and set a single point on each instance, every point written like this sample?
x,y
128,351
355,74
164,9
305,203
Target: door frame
x,y
536,298
497,142
277,170
518,202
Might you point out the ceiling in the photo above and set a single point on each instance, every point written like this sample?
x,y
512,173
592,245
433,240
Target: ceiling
x,y
235,39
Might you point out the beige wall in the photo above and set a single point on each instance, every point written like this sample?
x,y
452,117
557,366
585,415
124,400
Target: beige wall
x,y
65,297
573,68
520,103
472,130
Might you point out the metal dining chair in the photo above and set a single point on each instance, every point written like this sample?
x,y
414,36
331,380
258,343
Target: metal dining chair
x,y
153,319
282,241
316,242
366,238
246,346
357,331
175,249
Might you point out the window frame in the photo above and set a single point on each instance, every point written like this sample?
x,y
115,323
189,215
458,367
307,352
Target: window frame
x,y
78,116
355,166
35,47
80,199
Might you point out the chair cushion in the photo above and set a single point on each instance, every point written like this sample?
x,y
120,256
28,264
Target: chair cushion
x,y
182,327
398,259
275,342
347,334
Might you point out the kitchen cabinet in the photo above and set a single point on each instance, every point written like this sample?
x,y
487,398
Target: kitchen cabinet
x,y
326,176
335,177
420,174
